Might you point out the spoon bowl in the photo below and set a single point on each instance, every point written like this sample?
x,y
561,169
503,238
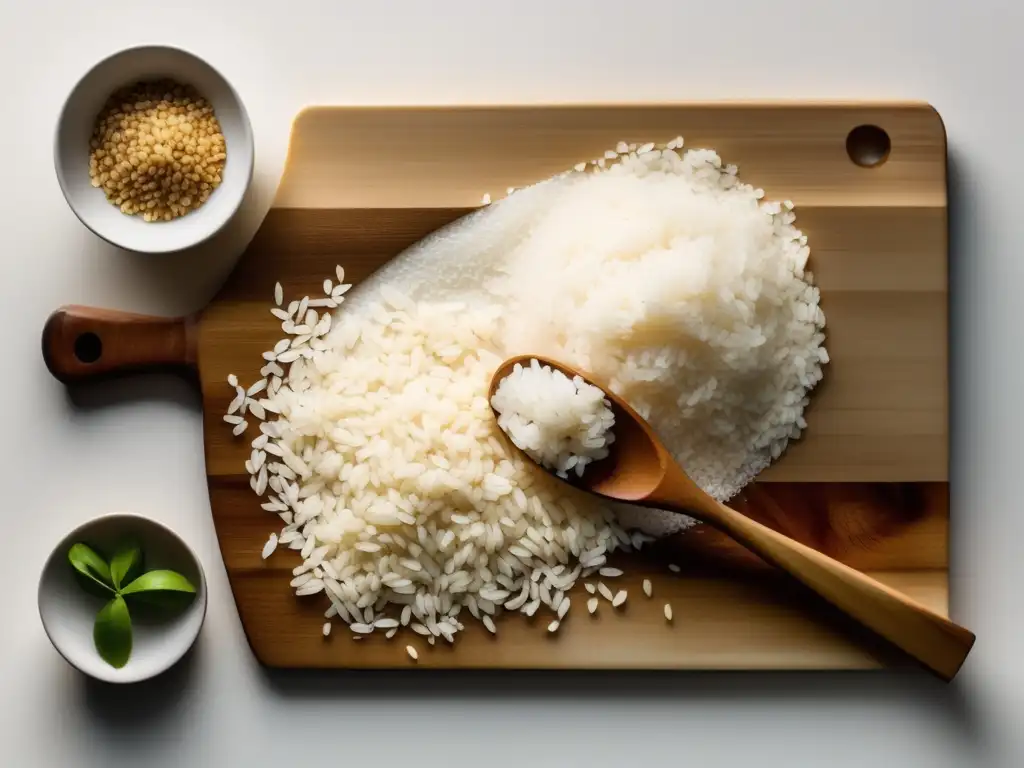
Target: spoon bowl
x,y
633,468
640,470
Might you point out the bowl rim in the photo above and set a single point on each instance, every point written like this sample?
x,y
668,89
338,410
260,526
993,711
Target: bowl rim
x,y
201,594
249,154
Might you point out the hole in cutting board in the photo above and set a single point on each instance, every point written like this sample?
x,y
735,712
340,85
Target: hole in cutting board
x,y
868,146
88,347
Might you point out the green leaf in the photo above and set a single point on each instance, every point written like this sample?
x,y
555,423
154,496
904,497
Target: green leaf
x,y
125,565
164,581
84,560
157,606
112,633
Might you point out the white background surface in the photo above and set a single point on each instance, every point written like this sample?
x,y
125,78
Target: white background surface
x,y
137,445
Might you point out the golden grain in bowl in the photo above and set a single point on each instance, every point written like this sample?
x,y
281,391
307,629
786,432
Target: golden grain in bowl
x,y
157,150
154,150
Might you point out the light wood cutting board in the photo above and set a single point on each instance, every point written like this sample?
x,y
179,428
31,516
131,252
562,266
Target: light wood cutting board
x,y
868,484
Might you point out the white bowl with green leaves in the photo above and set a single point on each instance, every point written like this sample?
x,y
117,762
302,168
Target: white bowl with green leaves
x,y
122,598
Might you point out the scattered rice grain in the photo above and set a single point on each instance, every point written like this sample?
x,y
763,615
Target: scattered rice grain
x,y
270,546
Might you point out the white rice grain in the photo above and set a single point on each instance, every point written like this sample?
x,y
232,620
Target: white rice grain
x,y
311,587
563,608
270,546
238,400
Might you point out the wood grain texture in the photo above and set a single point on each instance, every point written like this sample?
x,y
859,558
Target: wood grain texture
x,y
866,485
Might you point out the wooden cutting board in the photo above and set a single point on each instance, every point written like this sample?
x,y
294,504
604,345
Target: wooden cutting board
x,y
868,483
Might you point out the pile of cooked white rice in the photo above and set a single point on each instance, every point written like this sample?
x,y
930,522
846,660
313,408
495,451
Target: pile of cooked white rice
x,y
561,423
661,274
396,484
688,296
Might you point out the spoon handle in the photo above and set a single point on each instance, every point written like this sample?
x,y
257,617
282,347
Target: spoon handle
x,y
933,640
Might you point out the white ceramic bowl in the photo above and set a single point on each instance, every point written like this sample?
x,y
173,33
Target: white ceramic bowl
x,y
76,124
68,612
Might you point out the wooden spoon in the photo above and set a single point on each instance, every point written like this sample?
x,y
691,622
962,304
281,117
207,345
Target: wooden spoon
x,y
641,471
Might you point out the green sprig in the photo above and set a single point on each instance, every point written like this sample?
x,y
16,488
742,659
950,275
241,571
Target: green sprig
x,y
122,577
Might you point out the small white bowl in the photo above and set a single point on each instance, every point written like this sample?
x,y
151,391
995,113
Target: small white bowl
x,y
74,131
68,612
